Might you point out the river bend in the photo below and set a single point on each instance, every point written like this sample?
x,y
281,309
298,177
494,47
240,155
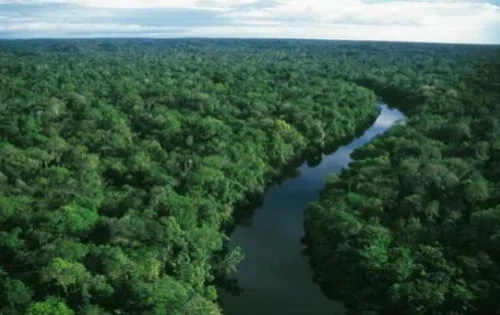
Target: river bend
x,y
275,275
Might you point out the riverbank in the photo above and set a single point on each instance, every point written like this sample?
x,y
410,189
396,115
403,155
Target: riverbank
x,y
275,274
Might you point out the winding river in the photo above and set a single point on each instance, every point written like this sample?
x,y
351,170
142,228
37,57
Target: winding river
x,y
275,275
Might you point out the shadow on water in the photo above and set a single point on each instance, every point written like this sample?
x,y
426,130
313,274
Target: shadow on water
x,y
275,274
244,211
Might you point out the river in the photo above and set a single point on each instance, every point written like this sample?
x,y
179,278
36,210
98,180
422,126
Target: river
x,y
275,275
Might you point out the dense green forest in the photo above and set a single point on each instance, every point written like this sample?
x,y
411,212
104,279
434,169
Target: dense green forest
x,y
413,225
121,162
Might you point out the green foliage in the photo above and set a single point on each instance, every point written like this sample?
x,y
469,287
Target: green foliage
x,y
64,273
51,306
412,226
119,169
17,295
121,162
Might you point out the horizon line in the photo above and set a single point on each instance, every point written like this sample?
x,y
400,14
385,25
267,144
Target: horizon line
x,y
239,38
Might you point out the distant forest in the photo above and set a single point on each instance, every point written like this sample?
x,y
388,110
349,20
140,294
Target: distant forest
x,y
121,162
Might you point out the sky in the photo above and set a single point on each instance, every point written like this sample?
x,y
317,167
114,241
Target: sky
x,y
448,21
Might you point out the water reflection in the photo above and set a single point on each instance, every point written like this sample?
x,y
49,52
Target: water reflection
x,y
275,276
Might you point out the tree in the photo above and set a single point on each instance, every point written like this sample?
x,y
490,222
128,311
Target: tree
x,y
50,306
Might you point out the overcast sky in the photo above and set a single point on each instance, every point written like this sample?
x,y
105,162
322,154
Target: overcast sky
x,y
428,21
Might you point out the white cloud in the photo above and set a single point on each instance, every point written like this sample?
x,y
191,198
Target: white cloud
x,y
345,32
448,21
80,27
432,21
191,4
127,4
79,30
362,12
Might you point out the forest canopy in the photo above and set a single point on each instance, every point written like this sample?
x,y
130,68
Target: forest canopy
x,y
121,162
412,226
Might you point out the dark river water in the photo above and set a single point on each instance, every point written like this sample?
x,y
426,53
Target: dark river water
x,y
275,275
